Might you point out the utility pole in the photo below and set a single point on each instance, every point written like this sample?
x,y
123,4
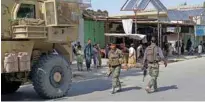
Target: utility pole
x,y
158,28
135,22
178,42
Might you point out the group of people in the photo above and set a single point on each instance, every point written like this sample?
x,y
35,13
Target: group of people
x,y
152,56
180,48
130,55
189,47
90,52
134,55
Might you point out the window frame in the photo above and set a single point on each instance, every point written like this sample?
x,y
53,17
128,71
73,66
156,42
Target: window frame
x,y
18,5
34,16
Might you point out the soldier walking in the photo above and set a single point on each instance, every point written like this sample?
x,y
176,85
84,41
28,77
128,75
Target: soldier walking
x,y
152,56
115,59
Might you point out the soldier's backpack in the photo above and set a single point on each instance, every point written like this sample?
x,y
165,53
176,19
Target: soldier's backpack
x,y
152,54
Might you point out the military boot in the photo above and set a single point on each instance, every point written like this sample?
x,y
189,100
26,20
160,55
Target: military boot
x,y
113,90
120,88
148,90
155,90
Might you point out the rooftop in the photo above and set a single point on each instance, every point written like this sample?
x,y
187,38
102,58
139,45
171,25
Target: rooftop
x,y
154,11
180,7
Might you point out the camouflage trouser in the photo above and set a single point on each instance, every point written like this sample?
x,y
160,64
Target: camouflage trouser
x,y
115,76
153,72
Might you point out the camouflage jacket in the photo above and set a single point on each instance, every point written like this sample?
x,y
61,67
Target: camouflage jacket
x,y
115,57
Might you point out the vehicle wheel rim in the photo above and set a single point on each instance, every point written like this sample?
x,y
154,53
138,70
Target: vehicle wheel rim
x,y
56,76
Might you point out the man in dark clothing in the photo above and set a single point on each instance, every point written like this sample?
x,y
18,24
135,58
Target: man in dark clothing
x,y
204,46
88,53
182,48
189,44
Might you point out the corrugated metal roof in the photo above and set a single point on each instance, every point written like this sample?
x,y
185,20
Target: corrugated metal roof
x,y
196,12
130,4
182,7
178,15
158,5
143,4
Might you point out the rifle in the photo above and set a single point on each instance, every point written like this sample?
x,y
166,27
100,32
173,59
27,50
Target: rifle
x,y
109,72
144,68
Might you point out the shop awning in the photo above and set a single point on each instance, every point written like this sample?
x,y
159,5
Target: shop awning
x,y
132,36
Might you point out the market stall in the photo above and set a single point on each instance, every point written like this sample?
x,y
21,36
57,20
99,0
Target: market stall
x,y
134,37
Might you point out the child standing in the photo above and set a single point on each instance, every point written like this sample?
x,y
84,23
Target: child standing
x,y
79,58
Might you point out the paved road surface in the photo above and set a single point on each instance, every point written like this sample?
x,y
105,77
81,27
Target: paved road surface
x,y
183,81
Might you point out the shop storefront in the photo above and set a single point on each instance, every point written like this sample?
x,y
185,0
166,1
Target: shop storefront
x,y
199,33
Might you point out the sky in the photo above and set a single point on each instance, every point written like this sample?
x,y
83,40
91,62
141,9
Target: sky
x,y
113,6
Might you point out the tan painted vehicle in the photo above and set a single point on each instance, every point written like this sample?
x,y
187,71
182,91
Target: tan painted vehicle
x,y
36,45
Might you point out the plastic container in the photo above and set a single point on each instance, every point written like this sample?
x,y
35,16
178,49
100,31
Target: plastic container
x,y
11,62
24,62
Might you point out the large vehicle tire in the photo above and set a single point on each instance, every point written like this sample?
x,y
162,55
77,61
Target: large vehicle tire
x,y
9,86
52,76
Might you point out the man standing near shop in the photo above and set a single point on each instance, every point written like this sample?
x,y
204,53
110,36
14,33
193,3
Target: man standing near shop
x,y
88,53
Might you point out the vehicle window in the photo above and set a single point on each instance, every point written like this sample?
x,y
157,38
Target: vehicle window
x,y
26,11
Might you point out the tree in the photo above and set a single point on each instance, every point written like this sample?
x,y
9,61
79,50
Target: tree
x,y
185,3
99,11
105,13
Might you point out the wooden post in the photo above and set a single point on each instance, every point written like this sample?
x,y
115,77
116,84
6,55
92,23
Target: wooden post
x,y
178,38
135,22
123,40
106,31
160,34
194,34
178,42
95,24
158,28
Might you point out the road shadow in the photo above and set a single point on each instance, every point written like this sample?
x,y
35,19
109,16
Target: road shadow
x,y
130,88
131,72
165,88
27,93
90,86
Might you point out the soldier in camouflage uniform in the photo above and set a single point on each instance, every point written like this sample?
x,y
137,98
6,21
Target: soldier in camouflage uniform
x,y
115,59
153,54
